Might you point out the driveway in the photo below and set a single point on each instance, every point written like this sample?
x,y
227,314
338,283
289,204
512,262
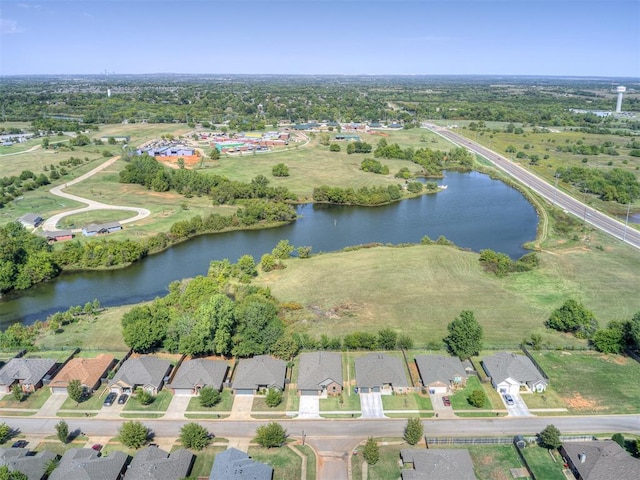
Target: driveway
x,y
371,405
519,408
52,405
241,409
178,406
309,406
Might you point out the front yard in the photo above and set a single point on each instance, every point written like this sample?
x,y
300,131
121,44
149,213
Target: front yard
x,y
591,382
285,462
159,404
410,401
544,464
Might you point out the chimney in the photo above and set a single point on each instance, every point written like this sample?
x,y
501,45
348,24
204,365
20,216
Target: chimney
x,y
582,457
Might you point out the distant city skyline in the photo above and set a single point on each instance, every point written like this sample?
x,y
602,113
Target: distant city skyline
x,y
579,38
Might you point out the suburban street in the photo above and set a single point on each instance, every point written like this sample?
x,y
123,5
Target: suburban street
x,y
541,187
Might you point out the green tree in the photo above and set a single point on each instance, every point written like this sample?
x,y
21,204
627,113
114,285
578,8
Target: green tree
x,y
413,431
271,435
143,397
618,438
633,331
387,339
465,336
133,434
194,436
573,317
282,250
303,252
280,170
16,391
371,451
62,431
286,347
405,342
75,390
274,397
611,339
215,154
209,397
477,398
549,437
6,474
268,262
334,147
5,432
45,143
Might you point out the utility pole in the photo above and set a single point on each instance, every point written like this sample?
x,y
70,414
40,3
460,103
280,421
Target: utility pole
x,y
626,223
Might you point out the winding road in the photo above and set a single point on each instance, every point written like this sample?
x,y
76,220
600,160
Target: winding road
x,y
51,223
555,196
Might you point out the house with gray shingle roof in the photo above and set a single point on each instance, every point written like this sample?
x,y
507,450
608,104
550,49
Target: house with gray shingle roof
x,y
233,464
33,465
320,373
26,372
87,464
100,228
441,373
600,460
198,373
153,463
147,372
509,372
30,220
259,373
440,464
379,372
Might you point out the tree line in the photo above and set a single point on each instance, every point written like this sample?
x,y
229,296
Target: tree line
x,y
610,185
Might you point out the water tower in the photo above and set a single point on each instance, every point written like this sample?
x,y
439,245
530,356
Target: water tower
x,y
620,91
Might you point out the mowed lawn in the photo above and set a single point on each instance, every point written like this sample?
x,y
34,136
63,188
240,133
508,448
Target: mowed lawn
x,y
418,290
591,382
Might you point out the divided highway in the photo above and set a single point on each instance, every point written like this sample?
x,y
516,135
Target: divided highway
x,y
556,196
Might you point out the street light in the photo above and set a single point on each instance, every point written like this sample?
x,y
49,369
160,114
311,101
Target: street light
x,y
303,435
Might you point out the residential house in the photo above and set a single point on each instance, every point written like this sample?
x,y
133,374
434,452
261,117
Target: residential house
x,y
30,220
259,373
441,373
379,372
31,464
87,464
146,372
117,138
510,372
26,372
320,373
153,463
440,464
600,460
233,464
101,228
89,371
57,236
198,373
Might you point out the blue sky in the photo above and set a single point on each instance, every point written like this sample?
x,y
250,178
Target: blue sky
x,y
430,37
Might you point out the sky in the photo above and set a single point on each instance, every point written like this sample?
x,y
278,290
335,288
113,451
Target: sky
x,y
348,37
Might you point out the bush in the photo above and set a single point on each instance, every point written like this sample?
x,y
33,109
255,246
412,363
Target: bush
x,y
209,397
549,437
194,436
274,398
144,397
271,435
133,434
371,451
477,398
280,170
413,431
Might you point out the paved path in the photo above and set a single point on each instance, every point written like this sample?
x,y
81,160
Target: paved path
x,y
51,223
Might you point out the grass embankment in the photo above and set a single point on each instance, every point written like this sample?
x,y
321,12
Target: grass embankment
x,y
418,290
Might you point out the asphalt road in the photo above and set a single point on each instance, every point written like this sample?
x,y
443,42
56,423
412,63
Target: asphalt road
x,y
555,196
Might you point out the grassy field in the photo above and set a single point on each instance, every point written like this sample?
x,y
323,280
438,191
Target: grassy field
x,y
543,465
375,289
590,382
286,463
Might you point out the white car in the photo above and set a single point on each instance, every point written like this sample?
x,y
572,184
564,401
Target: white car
x,y
508,399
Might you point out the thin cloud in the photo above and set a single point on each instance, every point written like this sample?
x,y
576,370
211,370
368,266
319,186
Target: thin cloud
x,y
87,14
9,27
28,5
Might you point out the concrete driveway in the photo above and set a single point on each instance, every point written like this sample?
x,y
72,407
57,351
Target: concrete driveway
x,y
519,408
241,409
309,406
52,405
178,406
371,405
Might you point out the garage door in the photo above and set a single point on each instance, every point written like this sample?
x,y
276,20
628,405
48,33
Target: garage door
x,y
59,390
308,392
244,391
433,390
363,390
182,391
375,389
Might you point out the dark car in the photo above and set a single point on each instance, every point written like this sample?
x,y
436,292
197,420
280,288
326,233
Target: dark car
x,y
110,399
20,444
508,399
97,447
122,399
446,401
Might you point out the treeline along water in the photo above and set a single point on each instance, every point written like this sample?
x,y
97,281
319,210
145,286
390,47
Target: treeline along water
x,y
474,212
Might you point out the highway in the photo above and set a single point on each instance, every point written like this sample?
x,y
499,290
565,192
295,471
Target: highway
x,y
554,195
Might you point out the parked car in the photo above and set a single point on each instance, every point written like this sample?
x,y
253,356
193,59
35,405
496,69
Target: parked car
x,y
508,399
122,399
446,401
97,447
20,444
108,401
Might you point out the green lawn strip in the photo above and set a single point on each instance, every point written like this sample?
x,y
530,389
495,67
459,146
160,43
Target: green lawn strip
x,y
224,405
548,399
608,384
68,414
285,463
387,468
459,399
205,416
16,413
409,401
160,404
260,405
542,464
94,402
141,415
34,400
311,460
409,414
114,445
60,356
340,402
204,461
481,413
58,447
291,399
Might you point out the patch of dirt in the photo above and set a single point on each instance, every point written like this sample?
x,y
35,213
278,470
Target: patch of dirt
x,y
346,309
578,402
486,460
617,359
413,371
